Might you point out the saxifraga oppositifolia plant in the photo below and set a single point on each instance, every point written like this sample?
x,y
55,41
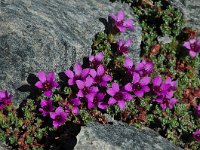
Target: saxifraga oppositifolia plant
x,y
93,89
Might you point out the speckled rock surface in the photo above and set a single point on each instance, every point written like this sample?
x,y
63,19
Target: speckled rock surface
x,y
50,35
191,10
120,136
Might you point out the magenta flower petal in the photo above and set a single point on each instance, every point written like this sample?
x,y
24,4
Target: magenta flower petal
x,y
69,73
55,84
139,93
169,94
94,89
56,124
85,73
43,103
128,63
59,110
91,58
128,24
115,87
121,28
102,105
80,93
93,73
128,43
39,85
120,15
187,45
52,115
42,76
121,104
80,84
128,87
112,101
111,92
127,96
90,105
100,70
99,57
90,97
89,81
50,76
146,88
145,81
78,69
157,81
48,93
172,102
136,77
75,110
76,101
71,81
192,53
107,78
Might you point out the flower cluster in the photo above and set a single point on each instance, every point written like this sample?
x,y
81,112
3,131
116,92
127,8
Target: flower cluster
x,y
91,82
93,85
164,91
193,45
5,98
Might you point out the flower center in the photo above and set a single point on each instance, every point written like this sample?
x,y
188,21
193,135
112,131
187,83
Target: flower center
x,y
98,79
166,101
193,46
95,63
85,91
118,96
58,118
157,89
47,85
136,87
46,108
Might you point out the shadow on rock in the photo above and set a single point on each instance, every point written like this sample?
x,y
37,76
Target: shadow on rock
x,y
30,87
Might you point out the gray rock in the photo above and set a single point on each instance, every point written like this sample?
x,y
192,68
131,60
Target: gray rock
x,y
50,35
191,10
120,137
164,39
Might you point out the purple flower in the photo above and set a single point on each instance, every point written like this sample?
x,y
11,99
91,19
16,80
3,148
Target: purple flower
x,y
46,83
97,59
78,74
72,105
173,84
144,68
98,102
5,98
196,135
160,87
100,76
59,117
118,96
120,22
166,100
138,85
198,110
86,89
193,45
123,46
46,107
